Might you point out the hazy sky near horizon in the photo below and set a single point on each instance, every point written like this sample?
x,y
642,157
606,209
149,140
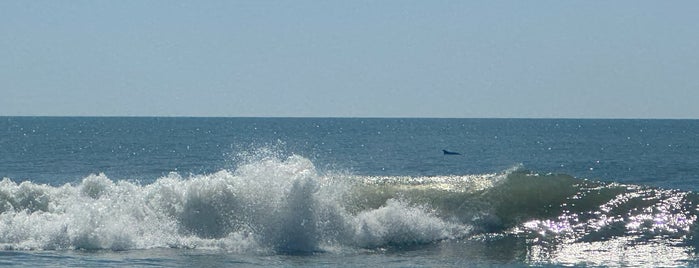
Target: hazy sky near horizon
x,y
572,59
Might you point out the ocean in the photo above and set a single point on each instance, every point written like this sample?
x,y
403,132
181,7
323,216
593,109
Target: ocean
x,y
348,192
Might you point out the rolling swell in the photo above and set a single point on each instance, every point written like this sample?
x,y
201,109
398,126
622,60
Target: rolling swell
x,y
278,204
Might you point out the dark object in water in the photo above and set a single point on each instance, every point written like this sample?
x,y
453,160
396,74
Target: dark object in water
x,y
450,153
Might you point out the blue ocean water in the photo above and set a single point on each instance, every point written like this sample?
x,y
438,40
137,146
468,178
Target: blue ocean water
x,y
80,191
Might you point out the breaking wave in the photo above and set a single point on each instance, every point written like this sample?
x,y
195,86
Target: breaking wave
x,y
283,204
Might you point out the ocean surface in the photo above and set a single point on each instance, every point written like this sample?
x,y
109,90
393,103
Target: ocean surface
x,y
210,192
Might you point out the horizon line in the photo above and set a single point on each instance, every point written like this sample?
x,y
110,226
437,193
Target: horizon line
x,y
348,117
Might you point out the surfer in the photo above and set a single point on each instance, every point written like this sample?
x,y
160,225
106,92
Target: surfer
x,y
450,153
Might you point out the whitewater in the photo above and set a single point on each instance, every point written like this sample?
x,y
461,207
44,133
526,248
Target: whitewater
x,y
262,207
279,205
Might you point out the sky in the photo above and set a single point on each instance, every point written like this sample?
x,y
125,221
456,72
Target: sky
x,y
463,59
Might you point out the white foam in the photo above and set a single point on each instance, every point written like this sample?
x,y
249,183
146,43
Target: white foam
x,y
398,223
266,204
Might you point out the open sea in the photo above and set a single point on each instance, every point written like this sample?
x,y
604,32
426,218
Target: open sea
x,y
348,192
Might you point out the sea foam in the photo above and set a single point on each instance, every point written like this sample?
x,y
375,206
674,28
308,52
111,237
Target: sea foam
x,y
273,204
269,204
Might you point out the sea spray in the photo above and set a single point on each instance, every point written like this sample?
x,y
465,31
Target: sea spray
x,y
270,204
399,224
284,205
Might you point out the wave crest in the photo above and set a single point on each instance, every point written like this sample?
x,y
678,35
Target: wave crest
x,y
274,204
270,204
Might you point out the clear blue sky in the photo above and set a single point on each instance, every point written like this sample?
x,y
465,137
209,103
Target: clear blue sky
x,y
572,59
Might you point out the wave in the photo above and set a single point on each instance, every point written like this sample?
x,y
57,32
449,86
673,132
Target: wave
x,y
283,204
